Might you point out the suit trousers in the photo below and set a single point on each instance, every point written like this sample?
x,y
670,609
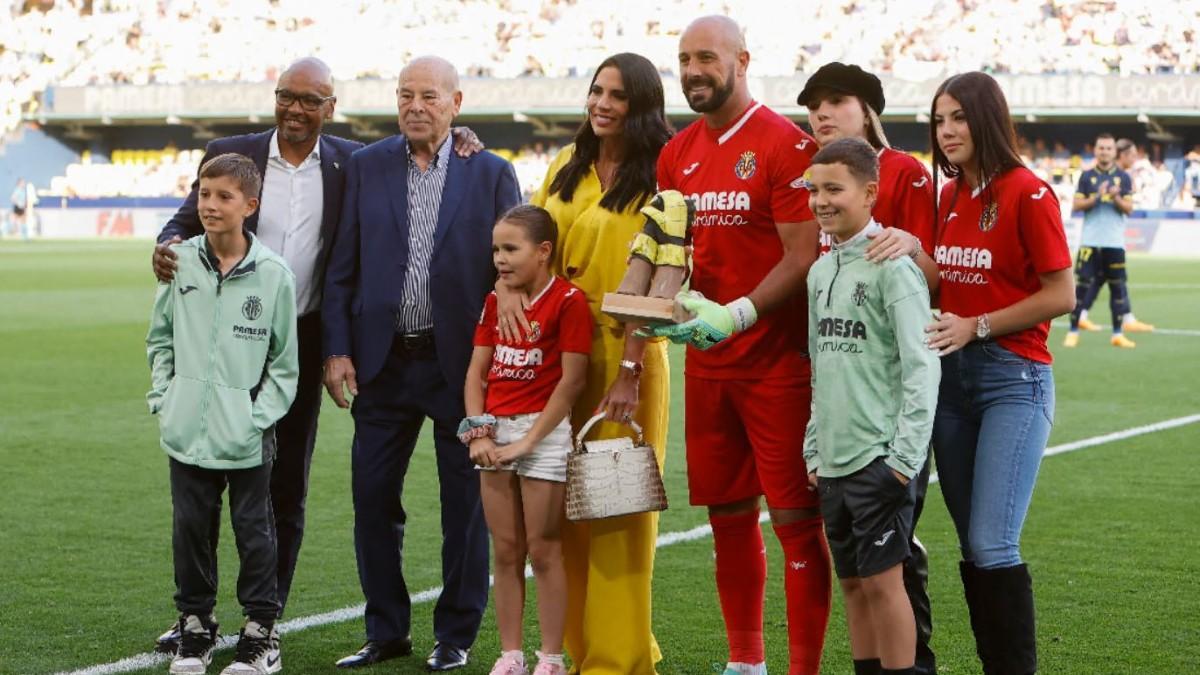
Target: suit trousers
x,y
388,414
196,503
295,437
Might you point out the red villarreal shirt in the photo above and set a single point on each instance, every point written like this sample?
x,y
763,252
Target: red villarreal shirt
x,y
992,245
744,178
905,198
523,375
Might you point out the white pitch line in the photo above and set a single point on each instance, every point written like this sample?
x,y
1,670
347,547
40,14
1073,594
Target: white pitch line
x,y
1114,436
151,659
1170,287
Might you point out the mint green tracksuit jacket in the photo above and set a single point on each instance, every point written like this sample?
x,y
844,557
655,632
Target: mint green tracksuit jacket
x,y
875,383
223,359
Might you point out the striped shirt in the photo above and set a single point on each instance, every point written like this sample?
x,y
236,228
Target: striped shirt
x,y
415,314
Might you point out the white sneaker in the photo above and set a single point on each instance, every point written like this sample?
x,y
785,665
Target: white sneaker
x,y
197,638
257,651
737,668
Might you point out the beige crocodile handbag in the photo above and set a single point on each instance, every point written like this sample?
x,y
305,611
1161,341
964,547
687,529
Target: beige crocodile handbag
x,y
612,477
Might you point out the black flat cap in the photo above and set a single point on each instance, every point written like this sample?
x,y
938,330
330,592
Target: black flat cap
x,y
846,79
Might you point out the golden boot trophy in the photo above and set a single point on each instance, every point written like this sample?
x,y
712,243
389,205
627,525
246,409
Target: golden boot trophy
x,y
658,265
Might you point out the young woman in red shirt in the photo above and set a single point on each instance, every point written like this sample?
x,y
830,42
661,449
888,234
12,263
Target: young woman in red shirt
x,y
1005,273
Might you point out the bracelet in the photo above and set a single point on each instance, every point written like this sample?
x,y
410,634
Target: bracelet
x,y
475,426
633,366
485,431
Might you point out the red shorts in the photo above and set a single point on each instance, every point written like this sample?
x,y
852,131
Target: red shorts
x,y
745,438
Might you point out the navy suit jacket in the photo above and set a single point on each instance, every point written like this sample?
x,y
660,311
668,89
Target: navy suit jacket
x,y
365,278
335,152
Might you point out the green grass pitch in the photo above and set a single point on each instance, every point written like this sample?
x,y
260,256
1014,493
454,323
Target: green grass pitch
x,y
85,573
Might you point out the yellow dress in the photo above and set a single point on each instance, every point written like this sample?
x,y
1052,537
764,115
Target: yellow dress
x,y
609,562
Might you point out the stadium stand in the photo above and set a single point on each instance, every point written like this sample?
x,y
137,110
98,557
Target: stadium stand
x,y
169,172
82,42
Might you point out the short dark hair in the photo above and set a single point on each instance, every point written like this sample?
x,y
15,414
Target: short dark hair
x,y
1124,145
238,167
537,222
856,154
1105,136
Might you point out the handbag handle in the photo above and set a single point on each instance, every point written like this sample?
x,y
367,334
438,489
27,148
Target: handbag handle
x,y
592,422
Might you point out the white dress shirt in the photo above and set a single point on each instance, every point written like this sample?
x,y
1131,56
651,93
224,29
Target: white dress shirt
x,y
289,219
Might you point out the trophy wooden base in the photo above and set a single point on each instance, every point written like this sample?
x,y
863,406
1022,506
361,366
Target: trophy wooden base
x,y
640,310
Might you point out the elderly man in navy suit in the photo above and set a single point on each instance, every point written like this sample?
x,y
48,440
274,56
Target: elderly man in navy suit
x,y
410,268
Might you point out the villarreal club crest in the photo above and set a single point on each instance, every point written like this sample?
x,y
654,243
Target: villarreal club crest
x,y
987,220
252,308
746,165
535,332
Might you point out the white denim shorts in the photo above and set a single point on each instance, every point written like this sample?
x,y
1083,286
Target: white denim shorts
x,y
548,461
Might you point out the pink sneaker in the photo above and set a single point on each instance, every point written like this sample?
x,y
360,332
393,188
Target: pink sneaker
x,y
508,665
544,668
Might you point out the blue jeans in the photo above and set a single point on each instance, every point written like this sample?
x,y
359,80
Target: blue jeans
x,y
994,414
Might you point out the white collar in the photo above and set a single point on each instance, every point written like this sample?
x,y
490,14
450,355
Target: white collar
x,y
543,291
274,151
871,228
739,124
979,190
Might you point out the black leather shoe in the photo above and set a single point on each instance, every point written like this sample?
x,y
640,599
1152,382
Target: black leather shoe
x,y
446,657
375,651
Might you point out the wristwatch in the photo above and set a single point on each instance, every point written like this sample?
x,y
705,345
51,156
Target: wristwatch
x,y
983,327
632,365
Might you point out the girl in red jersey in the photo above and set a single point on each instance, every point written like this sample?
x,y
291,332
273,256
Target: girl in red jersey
x,y
844,101
1005,273
519,395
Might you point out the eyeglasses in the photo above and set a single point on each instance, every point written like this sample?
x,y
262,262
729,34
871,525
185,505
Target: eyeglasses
x,y
285,99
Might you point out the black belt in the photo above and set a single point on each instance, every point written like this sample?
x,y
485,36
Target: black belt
x,y
413,344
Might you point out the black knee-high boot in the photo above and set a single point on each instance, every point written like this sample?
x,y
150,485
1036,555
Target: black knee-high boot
x,y
1008,601
980,616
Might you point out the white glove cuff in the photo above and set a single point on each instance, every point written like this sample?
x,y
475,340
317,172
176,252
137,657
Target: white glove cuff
x,y
744,314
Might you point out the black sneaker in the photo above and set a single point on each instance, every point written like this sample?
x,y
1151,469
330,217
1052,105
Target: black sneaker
x,y
197,639
257,651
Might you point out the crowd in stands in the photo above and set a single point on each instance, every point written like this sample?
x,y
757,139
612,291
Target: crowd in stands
x,y
169,172
87,42
130,173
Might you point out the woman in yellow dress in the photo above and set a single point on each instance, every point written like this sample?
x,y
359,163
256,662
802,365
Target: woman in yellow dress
x,y
594,189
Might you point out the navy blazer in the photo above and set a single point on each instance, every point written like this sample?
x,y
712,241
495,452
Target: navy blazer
x,y
335,152
365,278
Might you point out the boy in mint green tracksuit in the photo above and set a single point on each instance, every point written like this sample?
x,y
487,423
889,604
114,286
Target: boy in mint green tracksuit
x,y
875,386
224,367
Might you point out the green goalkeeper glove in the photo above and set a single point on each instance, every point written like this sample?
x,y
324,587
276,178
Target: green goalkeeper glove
x,y
712,324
